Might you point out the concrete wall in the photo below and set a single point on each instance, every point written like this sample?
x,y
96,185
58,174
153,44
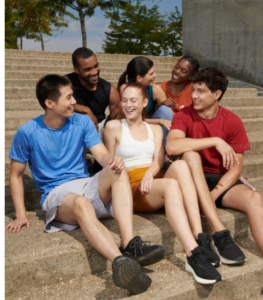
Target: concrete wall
x,y
226,34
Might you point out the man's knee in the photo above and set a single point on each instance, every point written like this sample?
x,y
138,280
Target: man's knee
x,y
192,157
83,207
180,165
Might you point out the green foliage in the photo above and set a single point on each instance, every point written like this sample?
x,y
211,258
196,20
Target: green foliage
x,y
141,31
33,18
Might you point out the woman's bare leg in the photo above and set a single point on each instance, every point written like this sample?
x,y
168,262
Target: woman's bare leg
x,y
167,192
180,171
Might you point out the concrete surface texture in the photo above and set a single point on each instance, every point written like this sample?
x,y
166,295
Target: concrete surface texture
x,y
226,34
64,265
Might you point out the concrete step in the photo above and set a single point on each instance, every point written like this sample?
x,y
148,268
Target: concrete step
x,y
67,55
60,62
247,112
26,82
238,101
107,74
22,93
253,166
15,119
253,125
169,281
35,259
22,105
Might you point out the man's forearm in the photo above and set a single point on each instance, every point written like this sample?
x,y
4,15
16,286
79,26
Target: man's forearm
x,y
226,182
81,109
17,194
105,159
181,145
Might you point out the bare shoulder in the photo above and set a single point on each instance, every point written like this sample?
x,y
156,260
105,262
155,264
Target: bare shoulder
x,y
156,129
157,87
113,125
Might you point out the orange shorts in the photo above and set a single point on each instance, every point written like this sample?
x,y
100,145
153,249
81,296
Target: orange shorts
x,y
140,203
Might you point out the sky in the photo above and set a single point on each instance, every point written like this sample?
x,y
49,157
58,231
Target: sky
x,y
70,38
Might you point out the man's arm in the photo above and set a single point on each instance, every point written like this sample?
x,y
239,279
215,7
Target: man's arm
x,y
17,193
115,104
230,177
178,144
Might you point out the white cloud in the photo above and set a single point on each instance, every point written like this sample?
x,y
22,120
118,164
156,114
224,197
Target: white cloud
x,y
73,26
65,44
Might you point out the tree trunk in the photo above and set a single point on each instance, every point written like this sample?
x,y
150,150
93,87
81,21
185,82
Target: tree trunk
x,y
83,29
41,38
21,42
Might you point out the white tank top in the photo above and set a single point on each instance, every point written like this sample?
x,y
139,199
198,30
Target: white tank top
x,y
135,152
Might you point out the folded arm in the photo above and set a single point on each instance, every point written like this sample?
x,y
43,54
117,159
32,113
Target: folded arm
x,y
177,144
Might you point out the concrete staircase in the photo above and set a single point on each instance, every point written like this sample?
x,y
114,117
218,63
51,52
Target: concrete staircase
x,y
64,265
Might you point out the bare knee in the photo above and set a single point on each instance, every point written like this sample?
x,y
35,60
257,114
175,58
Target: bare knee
x,y
122,176
256,201
83,208
192,157
180,166
170,185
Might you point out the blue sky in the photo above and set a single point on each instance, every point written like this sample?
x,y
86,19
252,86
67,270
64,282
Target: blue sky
x,y
70,39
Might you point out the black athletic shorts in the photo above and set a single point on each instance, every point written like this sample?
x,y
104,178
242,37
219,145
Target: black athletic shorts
x,y
212,180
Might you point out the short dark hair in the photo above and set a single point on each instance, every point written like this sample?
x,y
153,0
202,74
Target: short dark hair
x,y
81,53
214,78
193,61
48,87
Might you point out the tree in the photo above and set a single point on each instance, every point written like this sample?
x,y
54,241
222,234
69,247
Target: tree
x,y
138,30
35,18
87,8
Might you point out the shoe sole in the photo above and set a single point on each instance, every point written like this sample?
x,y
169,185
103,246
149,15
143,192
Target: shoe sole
x,y
216,264
199,279
152,258
128,274
238,262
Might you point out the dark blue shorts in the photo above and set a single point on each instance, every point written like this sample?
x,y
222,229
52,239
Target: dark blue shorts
x,y
212,180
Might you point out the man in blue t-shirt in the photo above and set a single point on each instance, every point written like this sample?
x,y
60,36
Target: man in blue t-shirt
x,y
55,144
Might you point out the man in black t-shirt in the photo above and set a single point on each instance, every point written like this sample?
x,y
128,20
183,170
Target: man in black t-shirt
x,y
92,93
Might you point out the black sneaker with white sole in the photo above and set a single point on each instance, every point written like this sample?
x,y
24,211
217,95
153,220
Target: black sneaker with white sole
x,y
144,252
227,249
127,273
211,255
199,265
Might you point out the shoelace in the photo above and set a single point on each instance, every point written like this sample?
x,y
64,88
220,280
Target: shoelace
x,y
223,239
205,244
142,244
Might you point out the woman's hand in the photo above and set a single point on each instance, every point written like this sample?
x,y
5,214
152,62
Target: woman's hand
x,y
146,183
116,163
166,123
170,103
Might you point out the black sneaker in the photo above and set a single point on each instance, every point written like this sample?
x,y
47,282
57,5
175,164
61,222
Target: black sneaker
x,y
227,249
211,255
127,274
143,251
199,265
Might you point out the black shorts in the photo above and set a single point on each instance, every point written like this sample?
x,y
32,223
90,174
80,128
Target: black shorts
x,y
212,180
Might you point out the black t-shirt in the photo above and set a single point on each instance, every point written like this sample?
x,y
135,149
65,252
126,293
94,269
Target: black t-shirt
x,y
96,100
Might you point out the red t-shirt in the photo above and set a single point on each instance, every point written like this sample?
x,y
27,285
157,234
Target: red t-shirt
x,y
226,125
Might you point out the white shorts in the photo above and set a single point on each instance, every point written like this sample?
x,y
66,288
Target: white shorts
x,y
87,187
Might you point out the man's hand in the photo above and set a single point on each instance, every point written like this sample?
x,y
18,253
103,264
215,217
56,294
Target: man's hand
x,y
166,123
146,183
228,154
170,103
16,225
116,163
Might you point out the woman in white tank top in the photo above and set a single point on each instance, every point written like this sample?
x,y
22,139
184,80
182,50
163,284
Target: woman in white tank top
x,y
140,145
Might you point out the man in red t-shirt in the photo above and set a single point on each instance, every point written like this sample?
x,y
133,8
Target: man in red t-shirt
x,y
212,140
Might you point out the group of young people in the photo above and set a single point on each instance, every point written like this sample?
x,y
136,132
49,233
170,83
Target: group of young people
x,y
147,121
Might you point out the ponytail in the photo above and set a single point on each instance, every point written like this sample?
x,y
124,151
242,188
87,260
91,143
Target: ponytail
x,y
122,80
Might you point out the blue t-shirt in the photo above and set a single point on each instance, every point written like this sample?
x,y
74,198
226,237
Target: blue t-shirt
x,y
55,156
